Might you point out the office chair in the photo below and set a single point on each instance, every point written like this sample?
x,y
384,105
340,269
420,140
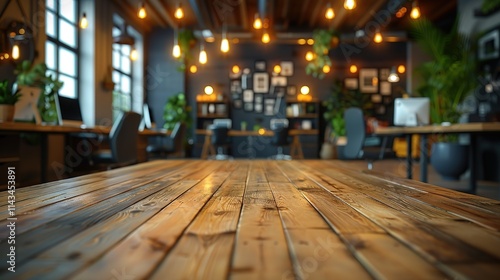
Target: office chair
x,y
280,137
122,142
220,139
162,146
356,133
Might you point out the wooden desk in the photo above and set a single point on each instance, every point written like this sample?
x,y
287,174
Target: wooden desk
x,y
261,219
45,130
295,147
470,128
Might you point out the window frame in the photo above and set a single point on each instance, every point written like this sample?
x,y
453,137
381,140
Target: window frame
x,y
130,76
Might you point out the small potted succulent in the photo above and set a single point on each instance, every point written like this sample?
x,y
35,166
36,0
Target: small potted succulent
x,y
8,99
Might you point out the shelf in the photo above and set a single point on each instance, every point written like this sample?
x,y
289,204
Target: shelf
x,y
213,116
304,116
212,101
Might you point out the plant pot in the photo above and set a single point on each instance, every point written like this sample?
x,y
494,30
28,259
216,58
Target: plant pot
x,y
450,160
328,151
340,144
6,113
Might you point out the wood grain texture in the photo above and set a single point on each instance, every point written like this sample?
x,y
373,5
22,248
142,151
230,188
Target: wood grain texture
x,y
250,219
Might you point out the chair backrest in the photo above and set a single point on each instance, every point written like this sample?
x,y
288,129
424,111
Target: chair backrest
x,y
280,137
355,132
219,135
223,122
178,135
123,137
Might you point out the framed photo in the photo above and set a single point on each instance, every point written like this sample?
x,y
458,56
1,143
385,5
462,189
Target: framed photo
x,y
376,98
286,68
291,90
384,74
489,45
260,66
279,81
258,107
235,86
247,106
237,103
248,95
385,88
269,106
368,80
261,82
351,83
280,91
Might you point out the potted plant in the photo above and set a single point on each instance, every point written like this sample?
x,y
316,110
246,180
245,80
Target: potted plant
x,y
176,110
446,79
36,76
8,99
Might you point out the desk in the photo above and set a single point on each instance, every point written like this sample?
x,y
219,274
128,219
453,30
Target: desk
x,y
295,146
470,128
255,219
45,130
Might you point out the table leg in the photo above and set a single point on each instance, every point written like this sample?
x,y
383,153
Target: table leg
x,y
423,158
409,170
206,147
296,148
472,164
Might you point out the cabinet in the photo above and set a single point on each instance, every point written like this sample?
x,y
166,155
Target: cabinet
x,y
207,111
303,114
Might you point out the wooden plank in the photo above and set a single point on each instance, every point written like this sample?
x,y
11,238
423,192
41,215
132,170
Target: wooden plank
x,y
261,250
155,238
273,174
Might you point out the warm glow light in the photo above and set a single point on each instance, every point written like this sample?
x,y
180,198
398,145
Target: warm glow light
x,y
203,58
6,55
374,81
134,55
209,90
378,37
304,90
401,12
330,14
257,23
266,38
22,31
84,22
179,13
326,69
393,78
349,4
142,11
277,69
310,42
353,69
224,45
401,69
176,51
210,39
301,41
193,69
309,56
415,10
235,69
261,131
15,52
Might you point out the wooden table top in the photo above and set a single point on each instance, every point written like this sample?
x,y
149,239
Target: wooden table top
x,y
436,129
193,219
266,132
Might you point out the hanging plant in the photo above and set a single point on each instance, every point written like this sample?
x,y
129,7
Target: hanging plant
x,y
324,40
186,41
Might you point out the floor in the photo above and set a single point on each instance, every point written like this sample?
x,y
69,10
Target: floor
x,y
398,167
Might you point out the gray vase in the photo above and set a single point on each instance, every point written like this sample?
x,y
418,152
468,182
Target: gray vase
x,y
450,160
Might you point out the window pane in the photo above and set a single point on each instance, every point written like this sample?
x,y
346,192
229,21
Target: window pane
x,y
67,62
116,99
50,55
125,64
51,4
116,60
126,86
69,87
126,103
126,50
50,25
116,32
68,33
68,10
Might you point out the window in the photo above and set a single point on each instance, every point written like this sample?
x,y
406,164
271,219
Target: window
x,y
61,47
122,76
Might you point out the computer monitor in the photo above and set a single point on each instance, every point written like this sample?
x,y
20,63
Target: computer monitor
x,y
411,111
223,123
69,111
146,121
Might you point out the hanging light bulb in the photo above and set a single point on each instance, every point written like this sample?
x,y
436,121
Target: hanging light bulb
x,y
277,69
134,55
142,11
193,69
304,90
179,13
203,55
349,4
393,76
309,56
401,69
257,23
330,14
265,37
84,22
15,52
224,44
326,69
353,69
176,51
378,37
415,10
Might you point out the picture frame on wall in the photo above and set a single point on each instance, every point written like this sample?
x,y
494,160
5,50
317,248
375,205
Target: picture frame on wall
x,y
261,82
235,86
248,95
287,68
247,106
489,45
385,88
237,103
278,81
260,66
291,90
368,80
384,74
269,106
351,83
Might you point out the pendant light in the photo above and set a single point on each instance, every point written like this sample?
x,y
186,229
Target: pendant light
x,y
329,14
84,22
203,55
224,45
257,22
415,10
142,11
134,55
265,37
378,37
393,76
349,4
179,13
176,50
15,51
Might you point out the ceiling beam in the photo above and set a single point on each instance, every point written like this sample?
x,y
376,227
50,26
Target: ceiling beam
x,y
303,12
244,14
155,14
160,8
131,14
340,13
375,7
320,5
285,14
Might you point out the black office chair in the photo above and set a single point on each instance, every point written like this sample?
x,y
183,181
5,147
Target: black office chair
x,y
356,133
162,146
220,140
122,142
280,139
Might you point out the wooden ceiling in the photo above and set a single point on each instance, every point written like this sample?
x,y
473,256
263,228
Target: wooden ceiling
x,y
286,17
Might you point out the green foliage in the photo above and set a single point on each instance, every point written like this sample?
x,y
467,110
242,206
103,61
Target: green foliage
x,y
7,97
341,99
176,110
490,5
186,41
321,47
450,75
